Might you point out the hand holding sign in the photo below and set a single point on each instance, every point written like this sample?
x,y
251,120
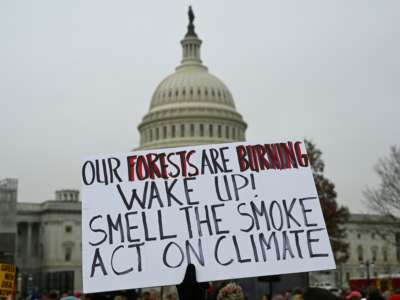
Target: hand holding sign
x,y
190,289
233,210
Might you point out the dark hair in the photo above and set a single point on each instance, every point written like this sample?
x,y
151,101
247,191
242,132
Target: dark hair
x,y
374,294
318,294
297,291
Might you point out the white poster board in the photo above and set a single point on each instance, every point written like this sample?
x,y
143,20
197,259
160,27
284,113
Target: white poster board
x,y
233,210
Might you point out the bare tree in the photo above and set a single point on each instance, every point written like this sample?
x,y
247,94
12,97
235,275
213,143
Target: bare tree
x,y
385,199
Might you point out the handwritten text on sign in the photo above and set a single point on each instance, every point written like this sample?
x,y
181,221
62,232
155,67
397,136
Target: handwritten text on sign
x,y
234,210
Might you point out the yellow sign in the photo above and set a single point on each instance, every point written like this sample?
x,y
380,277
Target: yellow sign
x,y
8,280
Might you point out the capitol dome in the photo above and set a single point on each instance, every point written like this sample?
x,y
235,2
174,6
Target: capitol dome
x,y
191,106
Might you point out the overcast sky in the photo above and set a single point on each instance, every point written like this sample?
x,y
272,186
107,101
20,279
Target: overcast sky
x,y
76,77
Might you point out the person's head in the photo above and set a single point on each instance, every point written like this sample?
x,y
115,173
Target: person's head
x,y
287,294
52,296
231,291
154,295
69,298
354,295
146,296
395,295
397,292
319,294
278,297
297,294
373,293
172,296
119,297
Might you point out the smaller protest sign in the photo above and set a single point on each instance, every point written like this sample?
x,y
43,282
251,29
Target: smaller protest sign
x,y
7,280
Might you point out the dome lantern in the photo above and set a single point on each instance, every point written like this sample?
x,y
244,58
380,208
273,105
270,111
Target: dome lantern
x,y
190,44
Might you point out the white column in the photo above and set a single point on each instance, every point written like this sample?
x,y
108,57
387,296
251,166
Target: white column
x,y
16,244
29,240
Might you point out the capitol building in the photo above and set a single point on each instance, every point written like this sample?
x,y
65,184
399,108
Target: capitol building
x,y
190,106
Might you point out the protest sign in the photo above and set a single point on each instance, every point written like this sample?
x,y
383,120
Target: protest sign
x,y
233,210
7,280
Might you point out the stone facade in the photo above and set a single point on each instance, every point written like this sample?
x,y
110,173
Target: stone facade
x,y
374,251
374,247
49,243
8,224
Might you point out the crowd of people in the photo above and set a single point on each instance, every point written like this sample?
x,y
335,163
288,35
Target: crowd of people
x,y
229,291
321,294
190,289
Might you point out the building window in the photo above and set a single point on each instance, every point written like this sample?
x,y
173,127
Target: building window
x,y
373,235
151,134
164,132
233,132
68,229
398,246
374,252
173,131
219,131
359,235
201,129
360,253
68,253
182,130
191,129
157,133
210,129
227,132
385,254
